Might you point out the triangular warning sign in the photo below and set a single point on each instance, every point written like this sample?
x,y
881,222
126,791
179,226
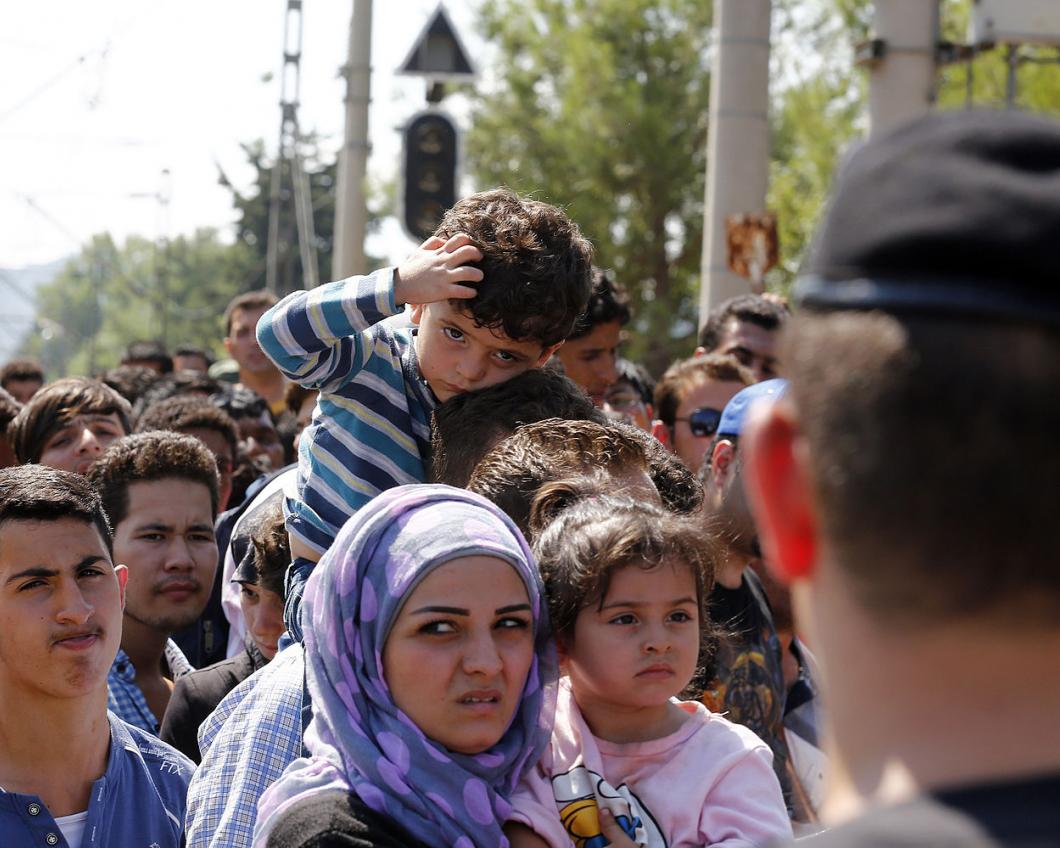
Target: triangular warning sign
x,y
438,52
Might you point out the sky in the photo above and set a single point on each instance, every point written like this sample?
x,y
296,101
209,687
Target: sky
x,y
100,97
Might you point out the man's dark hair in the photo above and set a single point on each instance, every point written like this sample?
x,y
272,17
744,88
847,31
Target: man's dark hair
x,y
189,412
40,493
9,408
752,308
21,369
147,458
688,373
131,381
148,351
194,350
608,302
178,384
295,395
929,450
513,472
681,493
272,548
55,406
260,299
638,378
239,402
535,261
467,425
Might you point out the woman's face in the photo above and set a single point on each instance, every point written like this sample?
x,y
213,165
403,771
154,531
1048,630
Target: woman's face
x,y
459,652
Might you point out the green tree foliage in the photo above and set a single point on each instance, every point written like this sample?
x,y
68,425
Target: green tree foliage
x,y
983,82
252,218
109,296
820,101
600,106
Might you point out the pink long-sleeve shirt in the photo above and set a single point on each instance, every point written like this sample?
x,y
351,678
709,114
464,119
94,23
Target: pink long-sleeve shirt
x,y
711,782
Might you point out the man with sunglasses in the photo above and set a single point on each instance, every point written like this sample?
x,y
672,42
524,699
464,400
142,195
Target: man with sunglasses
x,y
689,400
753,679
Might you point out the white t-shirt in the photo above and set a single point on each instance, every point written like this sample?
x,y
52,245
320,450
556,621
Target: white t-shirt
x,y
73,828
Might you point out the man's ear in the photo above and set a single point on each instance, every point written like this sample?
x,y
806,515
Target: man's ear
x,y
722,460
416,312
121,572
700,351
228,345
778,484
546,354
661,432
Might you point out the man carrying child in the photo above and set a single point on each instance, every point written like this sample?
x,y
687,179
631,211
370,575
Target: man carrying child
x,y
493,294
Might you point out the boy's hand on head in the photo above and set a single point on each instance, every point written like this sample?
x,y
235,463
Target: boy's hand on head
x,y
437,271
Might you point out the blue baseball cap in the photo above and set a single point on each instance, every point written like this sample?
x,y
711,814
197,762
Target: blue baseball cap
x,y
735,411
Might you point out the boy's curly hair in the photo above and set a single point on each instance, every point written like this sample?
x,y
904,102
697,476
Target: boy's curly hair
x,y
537,266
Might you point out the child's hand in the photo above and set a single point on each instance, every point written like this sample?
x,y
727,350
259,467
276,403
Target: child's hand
x,y
436,270
613,832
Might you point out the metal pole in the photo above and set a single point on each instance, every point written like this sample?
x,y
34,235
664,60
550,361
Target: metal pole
x,y
351,212
902,84
738,138
1013,59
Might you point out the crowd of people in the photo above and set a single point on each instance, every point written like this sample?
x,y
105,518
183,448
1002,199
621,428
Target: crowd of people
x,y
426,562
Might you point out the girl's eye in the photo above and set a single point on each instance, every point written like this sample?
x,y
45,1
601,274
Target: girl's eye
x,y
680,616
438,628
625,618
505,357
513,623
248,593
453,333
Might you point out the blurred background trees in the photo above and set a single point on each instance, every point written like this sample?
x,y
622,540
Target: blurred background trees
x,y
599,106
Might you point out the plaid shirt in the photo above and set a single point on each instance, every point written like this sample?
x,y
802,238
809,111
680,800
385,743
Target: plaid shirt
x,y
247,742
124,697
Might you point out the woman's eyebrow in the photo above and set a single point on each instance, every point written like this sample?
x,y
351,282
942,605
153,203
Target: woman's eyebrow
x,y
447,610
512,608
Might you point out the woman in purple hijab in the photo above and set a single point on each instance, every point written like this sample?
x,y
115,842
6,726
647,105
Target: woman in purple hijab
x,y
432,675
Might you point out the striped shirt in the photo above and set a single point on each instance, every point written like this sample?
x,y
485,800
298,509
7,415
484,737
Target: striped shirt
x,y
371,427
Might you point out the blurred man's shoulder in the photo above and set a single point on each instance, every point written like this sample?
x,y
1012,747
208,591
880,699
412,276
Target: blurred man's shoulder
x,y
1015,814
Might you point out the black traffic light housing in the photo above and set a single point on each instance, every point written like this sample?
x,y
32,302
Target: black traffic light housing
x,y
430,172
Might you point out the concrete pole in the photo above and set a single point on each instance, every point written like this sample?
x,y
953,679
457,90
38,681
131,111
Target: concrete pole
x,y
351,211
738,138
902,84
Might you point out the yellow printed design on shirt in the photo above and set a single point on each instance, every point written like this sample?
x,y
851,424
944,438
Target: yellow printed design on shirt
x,y
579,795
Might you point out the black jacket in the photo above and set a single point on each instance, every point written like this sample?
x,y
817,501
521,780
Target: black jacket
x,y
198,693
335,819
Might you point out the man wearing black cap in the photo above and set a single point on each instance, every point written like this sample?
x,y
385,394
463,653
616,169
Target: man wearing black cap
x,y
906,483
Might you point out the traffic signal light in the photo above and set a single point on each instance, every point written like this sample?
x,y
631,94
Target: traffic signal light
x,y
430,172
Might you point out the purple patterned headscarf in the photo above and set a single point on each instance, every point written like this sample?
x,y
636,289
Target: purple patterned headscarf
x,y
358,739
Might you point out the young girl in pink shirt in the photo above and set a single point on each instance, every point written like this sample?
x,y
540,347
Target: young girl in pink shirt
x,y
629,763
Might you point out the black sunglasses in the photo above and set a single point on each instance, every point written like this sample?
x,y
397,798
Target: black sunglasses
x,y
703,421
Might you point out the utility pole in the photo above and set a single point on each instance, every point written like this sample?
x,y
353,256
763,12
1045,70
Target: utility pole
x,y
351,209
902,62
738,139
289,155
